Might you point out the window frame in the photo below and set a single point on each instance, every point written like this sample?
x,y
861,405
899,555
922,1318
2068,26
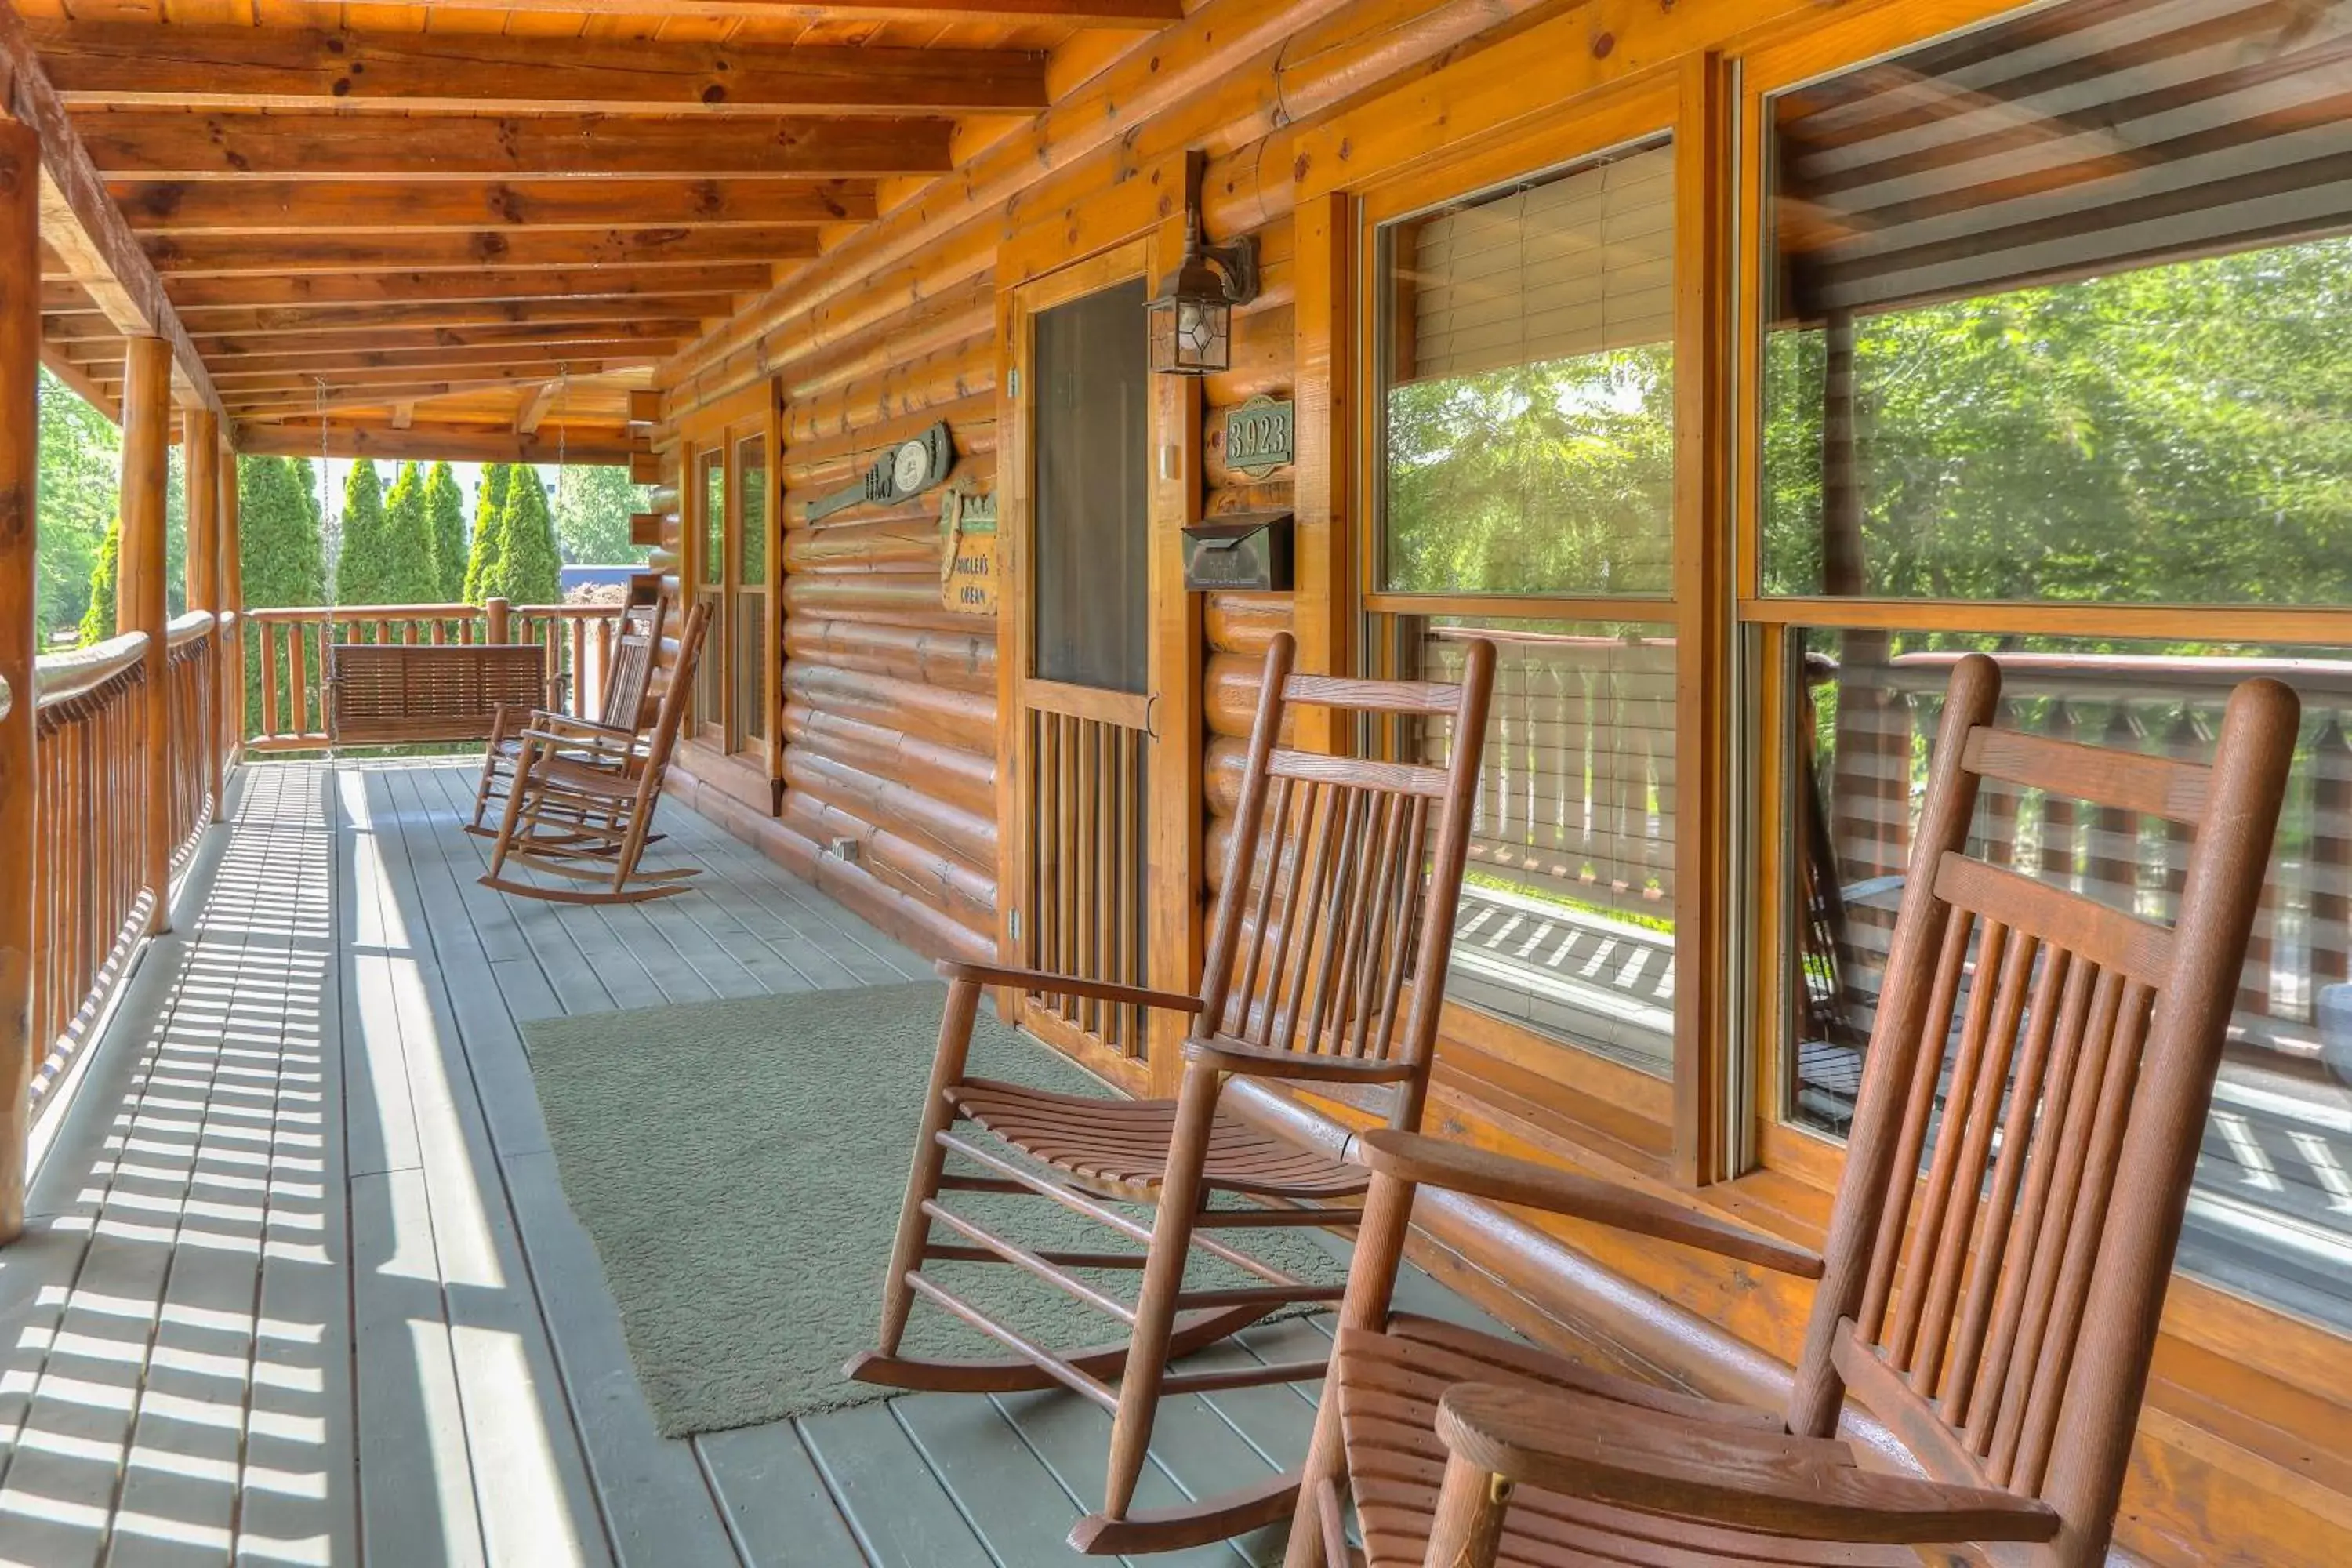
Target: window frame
x,y
1684,1116
718,430
2237,1329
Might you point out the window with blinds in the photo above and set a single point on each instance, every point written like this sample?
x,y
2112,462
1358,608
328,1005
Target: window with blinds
x,y
1529,427
1525,433
1578,263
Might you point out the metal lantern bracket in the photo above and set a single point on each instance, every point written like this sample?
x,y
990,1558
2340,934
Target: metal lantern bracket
x,y
1192,315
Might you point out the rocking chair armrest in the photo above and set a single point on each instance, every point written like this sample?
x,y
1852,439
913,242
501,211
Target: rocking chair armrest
x,y
1054,984
1670,1467
1229,1054
608,748
546,719
1482,1173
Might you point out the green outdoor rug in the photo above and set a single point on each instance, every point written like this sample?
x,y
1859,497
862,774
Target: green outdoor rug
x,y
740,1166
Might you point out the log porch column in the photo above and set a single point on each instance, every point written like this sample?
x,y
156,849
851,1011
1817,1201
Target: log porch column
x,y
139,602
201,428
20,349
232,587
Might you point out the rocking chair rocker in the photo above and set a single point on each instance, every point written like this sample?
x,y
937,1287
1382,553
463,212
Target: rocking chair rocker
x,y
2089,1040
1313,936
581,804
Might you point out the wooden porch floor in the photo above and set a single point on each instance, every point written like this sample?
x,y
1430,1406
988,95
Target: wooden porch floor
x,y
301,1286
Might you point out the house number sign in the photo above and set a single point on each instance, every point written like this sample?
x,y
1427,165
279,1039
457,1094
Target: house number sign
x,y
968,553
1258,437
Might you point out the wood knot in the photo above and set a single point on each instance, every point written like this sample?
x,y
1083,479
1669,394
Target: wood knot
x,y
1603,45
714,93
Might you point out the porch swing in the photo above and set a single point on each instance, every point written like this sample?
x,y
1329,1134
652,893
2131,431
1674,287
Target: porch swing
x,y
406,693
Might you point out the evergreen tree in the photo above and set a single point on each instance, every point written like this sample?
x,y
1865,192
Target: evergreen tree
x,y
410,574
530,572
365,573
592,515
280,551
445,518
489,515
98,618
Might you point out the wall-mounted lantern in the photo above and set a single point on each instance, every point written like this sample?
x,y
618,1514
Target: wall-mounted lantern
x,y
1191,321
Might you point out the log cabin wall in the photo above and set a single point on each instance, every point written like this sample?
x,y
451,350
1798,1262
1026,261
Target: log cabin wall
x,y
889,709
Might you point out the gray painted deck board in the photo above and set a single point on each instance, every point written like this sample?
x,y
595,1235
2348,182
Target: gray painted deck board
x,y
302,1279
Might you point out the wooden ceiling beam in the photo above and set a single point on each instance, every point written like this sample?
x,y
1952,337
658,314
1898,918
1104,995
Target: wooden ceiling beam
x,y
549,359
246,403
247,206
174,144
82,226
261,290
536,334
225,322
1126,14
428,441
117,63
302,388
176,255
534,408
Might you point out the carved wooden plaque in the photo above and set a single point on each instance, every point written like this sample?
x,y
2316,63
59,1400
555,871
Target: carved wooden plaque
x,y
968,553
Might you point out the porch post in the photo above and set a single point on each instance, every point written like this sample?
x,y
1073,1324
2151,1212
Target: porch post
x,y
20,349
232,585
139,603
201,428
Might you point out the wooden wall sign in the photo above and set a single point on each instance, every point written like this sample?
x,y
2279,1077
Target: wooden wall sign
x,y
909,469
1259,437
968,553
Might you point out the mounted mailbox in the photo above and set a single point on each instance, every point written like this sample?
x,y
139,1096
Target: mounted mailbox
x,y
1244,551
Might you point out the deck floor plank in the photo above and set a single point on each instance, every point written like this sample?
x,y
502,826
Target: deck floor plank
x,y
776,1503
303,1274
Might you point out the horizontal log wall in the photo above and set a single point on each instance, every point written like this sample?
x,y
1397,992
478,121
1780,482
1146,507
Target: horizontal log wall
x,y
889,714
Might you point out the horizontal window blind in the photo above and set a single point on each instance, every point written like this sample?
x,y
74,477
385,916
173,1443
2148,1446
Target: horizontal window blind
x,y
1576,264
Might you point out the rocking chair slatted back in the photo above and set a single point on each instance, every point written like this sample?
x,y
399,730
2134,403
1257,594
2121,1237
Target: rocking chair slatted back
x,y
2060,1137
628,679
1325,910
670,718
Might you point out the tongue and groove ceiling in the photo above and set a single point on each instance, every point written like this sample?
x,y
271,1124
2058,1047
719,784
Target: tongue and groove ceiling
x,y
463,225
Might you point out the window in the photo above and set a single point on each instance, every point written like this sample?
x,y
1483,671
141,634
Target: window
x,y
1529,438
749,668
710,579
2054,368
1524,469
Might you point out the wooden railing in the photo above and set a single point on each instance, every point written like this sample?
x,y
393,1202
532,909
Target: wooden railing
x,y
1576,792
286,661
190,688
1886,710
90,904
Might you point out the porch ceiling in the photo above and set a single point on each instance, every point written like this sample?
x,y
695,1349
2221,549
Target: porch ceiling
x,y
468,227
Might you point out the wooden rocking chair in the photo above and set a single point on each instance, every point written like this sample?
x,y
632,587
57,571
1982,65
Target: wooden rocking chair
x,y
2005,1342
582,805
1313,936
627,708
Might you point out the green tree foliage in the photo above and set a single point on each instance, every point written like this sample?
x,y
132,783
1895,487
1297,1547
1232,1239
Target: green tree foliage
x,y
489,517
1549,477
97,612
445,515
366,568
529,571
79,452
411,575
2175,434
592,515
280,551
